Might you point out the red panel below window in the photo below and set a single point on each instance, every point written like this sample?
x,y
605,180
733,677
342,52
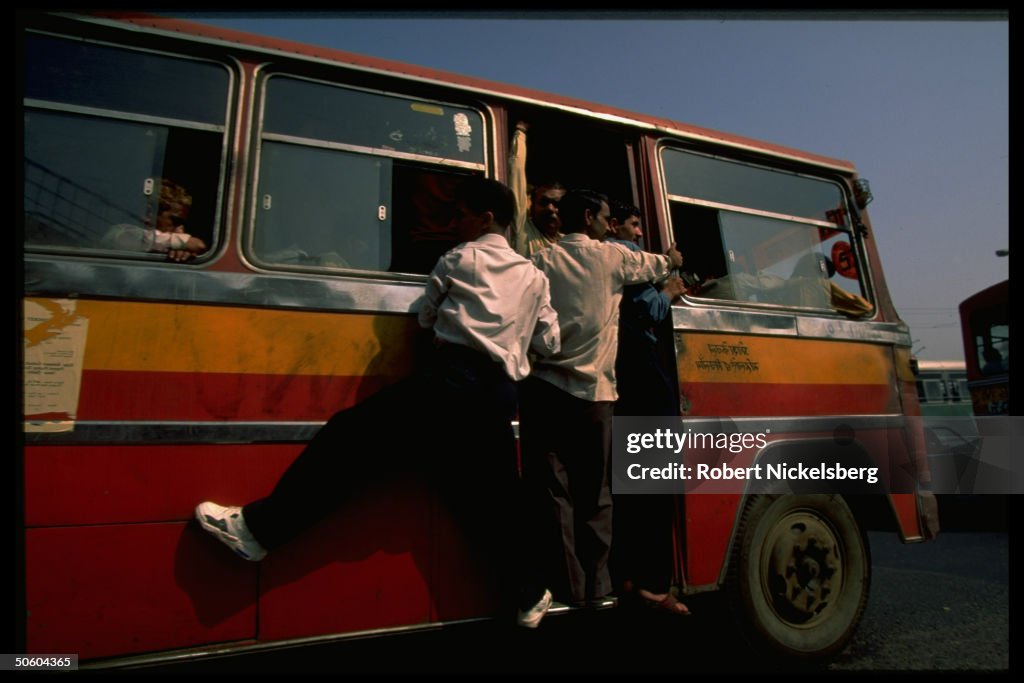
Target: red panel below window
x,y
111,590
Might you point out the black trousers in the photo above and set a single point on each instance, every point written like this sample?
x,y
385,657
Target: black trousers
x,y
565,444
453,423
642,552
643,385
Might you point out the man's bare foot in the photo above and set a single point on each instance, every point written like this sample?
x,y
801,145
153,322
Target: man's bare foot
x,y
663,601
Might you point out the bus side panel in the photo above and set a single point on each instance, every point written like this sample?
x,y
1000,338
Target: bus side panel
x,y
157,361
115,564
385,559
709,523
990,397
80,485
108,590
368,565
466,581
376,562
393,556
729,375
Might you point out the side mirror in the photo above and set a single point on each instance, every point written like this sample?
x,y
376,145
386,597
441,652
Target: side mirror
x,y
862,192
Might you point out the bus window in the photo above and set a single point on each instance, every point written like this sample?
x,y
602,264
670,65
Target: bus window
x,y
961,390
759,235
98,148
311,202
424,214
992,344
356,180
953,385
933,390
942,388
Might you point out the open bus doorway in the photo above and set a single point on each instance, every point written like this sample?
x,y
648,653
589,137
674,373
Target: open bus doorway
x,y
576,153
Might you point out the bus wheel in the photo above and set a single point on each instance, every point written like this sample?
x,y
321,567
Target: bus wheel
x,y
799,574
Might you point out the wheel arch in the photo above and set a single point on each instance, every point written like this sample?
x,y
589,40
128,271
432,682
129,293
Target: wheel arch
x,y
872,508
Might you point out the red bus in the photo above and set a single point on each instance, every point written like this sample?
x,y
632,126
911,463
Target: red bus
x,y
985,325
151,384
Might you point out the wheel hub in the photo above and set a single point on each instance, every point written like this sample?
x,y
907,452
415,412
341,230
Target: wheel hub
x,y
803,574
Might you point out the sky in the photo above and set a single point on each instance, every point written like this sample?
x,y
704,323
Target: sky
x,y
918,102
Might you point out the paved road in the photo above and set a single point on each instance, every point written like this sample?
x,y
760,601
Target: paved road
x,y
943,605
940,606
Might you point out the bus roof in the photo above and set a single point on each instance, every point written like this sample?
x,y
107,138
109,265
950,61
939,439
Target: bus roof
x,y
997,293
374,64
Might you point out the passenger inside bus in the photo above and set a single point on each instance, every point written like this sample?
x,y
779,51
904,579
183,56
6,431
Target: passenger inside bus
x,y
812,279
749,258
164,235
838,298
537,224
625,225
423,217
993,361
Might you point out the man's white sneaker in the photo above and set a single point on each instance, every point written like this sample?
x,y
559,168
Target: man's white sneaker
x,y
228,525
531,618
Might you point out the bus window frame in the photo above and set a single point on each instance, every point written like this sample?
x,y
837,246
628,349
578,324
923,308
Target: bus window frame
x,y
219,234
264,73
853,234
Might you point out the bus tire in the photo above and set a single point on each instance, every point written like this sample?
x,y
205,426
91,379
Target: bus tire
x,y
799,575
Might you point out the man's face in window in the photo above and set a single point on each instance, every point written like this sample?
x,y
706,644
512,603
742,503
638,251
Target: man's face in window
x,y
544,209
629,230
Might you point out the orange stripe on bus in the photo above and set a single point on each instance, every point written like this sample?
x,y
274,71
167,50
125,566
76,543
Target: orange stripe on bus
x,y
165,337
732,358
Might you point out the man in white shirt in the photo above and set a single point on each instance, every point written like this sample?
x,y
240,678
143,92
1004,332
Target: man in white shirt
x,y
484,296
566,405
489,309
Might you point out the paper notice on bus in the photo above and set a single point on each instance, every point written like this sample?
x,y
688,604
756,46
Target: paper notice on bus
x,y
54,347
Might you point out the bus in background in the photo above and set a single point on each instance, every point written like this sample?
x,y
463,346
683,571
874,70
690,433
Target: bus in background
x,y
942,388
318,186
985,325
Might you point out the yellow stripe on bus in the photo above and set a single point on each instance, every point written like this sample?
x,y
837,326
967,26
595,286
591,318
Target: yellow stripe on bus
x,y
709,357
200,338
